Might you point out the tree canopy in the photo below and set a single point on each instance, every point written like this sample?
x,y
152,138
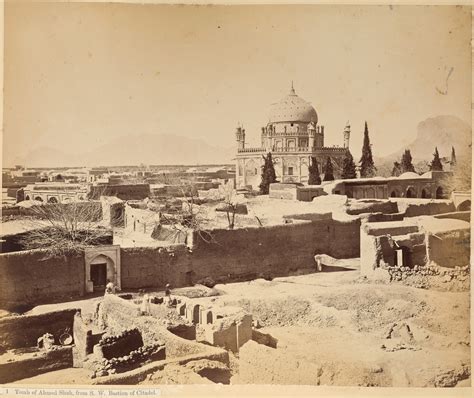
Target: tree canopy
x,y
313,169
268,174
348,166
367,167
436,162
328,170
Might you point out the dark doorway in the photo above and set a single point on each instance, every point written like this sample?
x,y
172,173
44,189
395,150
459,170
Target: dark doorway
x,y
425,194
406,260
411,193
465,206
439,193
99,275
196,311
393,194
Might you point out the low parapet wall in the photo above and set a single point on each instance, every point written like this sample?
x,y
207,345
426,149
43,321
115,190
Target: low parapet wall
x,y
32,278
22,368
24,330
241,254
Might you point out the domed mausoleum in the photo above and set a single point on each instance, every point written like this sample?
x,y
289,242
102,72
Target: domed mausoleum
x,y
293,135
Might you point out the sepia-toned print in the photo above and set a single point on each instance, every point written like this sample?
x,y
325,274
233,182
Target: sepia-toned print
x,y
235,195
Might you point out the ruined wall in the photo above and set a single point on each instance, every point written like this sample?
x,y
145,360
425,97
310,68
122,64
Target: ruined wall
x,y
260,364
118,314
241,254
426,209
457,215
24,331
449,249
29,278
60,358
371,206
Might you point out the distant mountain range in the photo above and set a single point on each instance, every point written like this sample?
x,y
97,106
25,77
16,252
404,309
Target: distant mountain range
x,y
443,132
128,150
440,131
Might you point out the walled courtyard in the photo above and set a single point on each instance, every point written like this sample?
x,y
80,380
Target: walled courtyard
x,y
330,328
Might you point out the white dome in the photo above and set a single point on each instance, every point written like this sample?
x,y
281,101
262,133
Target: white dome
x,y
292,109
408,175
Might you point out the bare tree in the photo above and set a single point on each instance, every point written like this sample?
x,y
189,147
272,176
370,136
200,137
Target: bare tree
x,y
231,202
190,216
62,229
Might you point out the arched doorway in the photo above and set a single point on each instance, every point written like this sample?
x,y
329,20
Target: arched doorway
x,y
209,317
465,206
196,311
393,194
27,197
102,270
425,193
102,264
411,193
439,193
39,198
52,199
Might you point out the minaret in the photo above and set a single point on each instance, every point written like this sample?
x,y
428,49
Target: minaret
x,y
240,137
319,137
311,134
347,135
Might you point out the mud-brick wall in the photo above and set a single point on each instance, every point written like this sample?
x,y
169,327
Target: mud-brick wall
x,y
24,331
60,358
450,249
241,254
260,364
29,278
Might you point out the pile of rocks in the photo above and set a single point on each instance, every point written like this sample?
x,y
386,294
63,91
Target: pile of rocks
x,y
110,339
432,275
136,357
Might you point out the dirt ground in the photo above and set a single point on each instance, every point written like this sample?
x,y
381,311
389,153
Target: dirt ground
x,y
356,332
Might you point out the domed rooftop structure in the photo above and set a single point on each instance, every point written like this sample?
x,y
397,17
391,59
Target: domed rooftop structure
x,y
409,175
292,109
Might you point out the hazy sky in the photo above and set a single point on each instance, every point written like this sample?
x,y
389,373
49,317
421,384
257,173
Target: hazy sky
x,y
77,75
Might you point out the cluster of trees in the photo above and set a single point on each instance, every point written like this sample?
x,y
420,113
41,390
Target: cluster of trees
x,y
349,170
367,167
406,165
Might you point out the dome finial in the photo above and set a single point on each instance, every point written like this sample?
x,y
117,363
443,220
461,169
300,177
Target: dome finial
x,y
292,91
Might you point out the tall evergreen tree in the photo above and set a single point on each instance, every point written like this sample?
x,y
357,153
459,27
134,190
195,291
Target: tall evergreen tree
x,y
313,169
406,164
436,162
367,167
453,157
268,174
328,172
397,169
348,166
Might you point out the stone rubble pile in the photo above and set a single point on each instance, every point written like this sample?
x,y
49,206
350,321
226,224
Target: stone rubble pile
x,y
124,363
447,274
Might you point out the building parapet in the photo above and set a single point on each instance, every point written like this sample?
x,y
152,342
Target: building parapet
x,y
305,149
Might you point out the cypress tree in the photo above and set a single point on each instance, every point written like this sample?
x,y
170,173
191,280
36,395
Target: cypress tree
x,y
406,164
453,157
397,169
328,172
436,162
313,169
268,174
367,167
348,166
